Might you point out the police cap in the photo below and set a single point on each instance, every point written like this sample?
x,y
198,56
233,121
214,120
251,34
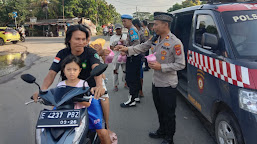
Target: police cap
x,y
126,16
162,17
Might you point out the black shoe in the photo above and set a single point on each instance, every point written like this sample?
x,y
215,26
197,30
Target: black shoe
x,y
156,135
167,141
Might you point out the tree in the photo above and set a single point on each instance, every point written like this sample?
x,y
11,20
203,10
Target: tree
x,y
141,15
53,9
13,6
184,4
175,7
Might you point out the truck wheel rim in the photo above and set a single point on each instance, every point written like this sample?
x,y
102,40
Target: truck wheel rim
x,y
226,134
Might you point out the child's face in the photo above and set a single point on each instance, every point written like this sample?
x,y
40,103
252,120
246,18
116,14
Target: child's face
x,y
72,71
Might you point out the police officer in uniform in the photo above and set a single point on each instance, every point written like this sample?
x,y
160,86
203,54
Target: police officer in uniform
x,y
170,58
133,63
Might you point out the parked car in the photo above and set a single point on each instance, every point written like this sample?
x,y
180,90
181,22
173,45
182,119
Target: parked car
x,y
8,35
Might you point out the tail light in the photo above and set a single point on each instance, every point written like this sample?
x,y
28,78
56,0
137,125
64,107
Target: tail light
x,y
7,32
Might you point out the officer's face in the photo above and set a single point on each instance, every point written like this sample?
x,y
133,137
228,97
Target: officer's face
x,y
126,22
158,27
78,41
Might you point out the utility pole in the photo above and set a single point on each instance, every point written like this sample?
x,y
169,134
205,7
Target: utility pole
x,y
136,12
63,11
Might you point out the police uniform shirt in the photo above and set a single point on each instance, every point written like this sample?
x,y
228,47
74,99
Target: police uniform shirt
x,y
141,35
169,53
87,58
133,37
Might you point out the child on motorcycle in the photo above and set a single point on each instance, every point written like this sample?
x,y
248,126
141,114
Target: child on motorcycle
x,y
70,69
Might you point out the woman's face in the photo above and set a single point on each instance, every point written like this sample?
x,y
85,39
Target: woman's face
x,y
78,41
71,71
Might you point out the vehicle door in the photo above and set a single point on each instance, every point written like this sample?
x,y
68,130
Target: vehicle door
x,y
204,62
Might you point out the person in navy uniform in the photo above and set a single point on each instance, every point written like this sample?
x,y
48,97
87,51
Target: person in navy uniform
x,y
133,63
170,58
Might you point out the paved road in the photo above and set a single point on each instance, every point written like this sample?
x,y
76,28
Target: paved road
x,y
17,121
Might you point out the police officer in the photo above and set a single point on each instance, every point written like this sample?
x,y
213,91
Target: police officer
x,y
169,59
138,25
133,63
147,36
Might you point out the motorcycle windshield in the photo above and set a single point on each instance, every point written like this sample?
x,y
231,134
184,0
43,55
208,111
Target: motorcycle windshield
x,y
59,95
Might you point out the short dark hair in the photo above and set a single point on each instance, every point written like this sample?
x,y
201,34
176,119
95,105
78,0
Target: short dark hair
x,y
136,22
73,28
69,59
169,23
144,22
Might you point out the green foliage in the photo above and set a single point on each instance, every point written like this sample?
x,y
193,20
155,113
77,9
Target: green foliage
x,y
184,4
142,15
95,10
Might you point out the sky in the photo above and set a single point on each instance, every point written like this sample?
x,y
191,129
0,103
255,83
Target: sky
x,y
130,6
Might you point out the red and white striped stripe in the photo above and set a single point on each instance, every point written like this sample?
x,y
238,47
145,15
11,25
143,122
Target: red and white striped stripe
x,y
231,73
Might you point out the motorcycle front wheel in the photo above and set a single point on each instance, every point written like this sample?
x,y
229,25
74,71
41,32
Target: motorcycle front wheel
x,y
22,39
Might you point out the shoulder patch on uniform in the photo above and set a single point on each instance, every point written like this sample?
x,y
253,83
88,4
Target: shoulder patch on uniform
x,y
57,60
146,33
96,56
166,44
178,49
131,32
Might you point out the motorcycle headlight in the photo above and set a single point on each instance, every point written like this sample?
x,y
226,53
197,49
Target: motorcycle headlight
x,y
248,100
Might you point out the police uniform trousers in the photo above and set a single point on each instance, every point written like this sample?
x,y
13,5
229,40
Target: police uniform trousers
x,y
133,66
165,102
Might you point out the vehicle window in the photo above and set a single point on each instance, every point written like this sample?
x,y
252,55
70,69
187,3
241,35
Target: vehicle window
x,y
10,30
205,24
182,28
242,30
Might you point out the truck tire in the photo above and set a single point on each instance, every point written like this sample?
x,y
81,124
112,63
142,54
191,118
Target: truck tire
x,y
1,42
227,130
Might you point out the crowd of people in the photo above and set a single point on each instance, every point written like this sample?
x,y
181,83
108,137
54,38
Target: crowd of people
x,y
78,59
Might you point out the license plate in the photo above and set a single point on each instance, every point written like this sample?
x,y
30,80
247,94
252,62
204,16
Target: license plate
x,y
58,118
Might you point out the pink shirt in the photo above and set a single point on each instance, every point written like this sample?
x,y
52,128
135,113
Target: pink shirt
x,y
79,84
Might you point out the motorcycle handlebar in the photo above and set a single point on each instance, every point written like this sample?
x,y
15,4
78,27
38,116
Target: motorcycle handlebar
x,y
85,98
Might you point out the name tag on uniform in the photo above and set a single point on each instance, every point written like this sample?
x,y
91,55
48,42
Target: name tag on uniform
x,y
165,48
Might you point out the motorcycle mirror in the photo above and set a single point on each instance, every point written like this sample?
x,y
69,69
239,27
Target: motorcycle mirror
x,y
28,78
98,70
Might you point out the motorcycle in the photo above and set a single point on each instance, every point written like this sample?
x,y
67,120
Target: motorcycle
x,y
110,31
49,34
64,124
22,36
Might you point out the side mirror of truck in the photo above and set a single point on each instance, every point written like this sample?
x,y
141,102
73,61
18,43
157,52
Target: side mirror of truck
x,y
209,41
